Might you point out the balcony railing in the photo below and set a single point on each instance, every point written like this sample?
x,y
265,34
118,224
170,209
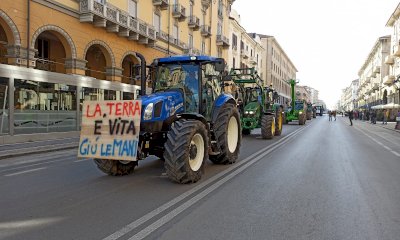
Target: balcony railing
x,y
179,12
163,4
389,59
377,69
116,20
396,50
253,60
388,80
194,23
205,31
222,41
244,53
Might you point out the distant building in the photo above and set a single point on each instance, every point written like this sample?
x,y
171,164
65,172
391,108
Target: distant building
x,y
278,68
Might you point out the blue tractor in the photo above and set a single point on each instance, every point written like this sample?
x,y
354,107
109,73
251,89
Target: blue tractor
x,y
186,120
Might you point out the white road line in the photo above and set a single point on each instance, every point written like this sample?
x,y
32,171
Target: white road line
x,y
133,225
396,153
169,216
31,165
27,171
82,160
384,146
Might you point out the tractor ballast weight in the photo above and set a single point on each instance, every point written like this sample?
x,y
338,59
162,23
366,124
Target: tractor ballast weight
x,y
256,103
298,108
186,120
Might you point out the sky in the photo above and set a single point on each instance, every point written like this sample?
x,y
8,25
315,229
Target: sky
x,y
327,40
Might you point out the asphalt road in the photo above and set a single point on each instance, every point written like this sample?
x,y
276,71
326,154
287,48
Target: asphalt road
x,y
325,180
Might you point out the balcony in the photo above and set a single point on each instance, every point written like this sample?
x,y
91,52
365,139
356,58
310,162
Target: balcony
x,y
162,36
191,51
377,69
396,50
253,60
205,31
234,49
116,20
222,41
244,53
179,12
389,59
194,23
375,86
388,80
163,4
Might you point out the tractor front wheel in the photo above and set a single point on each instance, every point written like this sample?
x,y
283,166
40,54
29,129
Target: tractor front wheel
x,y
115,167
186,151
278,122
227,132
267,126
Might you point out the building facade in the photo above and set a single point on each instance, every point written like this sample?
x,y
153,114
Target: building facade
x,y
373,76
245,51
278,68
92,40
393,59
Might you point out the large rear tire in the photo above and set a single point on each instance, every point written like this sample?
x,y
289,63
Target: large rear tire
x,y
227,132
115,167
186,151
268,126
278,122
302,119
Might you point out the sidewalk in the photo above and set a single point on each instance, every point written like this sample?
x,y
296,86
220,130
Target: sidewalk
x,y
19,149
389,125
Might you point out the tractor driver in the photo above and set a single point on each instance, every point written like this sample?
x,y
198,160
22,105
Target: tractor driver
x,y
192,89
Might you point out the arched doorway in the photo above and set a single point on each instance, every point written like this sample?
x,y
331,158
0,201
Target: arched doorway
x,y
98,59
131,69
385,99
51,53
3,44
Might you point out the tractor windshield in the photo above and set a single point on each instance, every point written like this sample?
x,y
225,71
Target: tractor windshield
x,y
252,94
180,76
299,105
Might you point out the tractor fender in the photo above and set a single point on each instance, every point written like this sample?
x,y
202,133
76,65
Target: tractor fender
x,y
193,116
219,102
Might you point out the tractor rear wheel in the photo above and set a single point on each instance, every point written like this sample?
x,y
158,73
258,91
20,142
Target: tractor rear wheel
x,y
115,167
278,122
186,151
267,126
302,119
227,132
246,131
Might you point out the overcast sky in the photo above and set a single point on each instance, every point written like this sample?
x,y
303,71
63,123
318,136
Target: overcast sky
x,y
327,40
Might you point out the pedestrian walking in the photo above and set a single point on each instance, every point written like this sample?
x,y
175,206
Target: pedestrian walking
x,y
330,115
385,116
334,114
351,117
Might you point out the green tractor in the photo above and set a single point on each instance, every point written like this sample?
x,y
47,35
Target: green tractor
x,y
298,108
256,103
310,111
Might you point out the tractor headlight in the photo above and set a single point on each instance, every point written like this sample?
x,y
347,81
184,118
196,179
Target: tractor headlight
x,y
301,112
246,112
148,112
251,112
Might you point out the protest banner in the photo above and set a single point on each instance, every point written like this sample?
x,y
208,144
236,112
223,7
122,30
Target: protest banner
x,y
110,129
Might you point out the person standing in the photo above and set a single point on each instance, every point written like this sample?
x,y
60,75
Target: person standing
x,y
334,114
330,115
351,117
385,116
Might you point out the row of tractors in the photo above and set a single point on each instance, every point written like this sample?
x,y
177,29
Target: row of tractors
x,y
188,118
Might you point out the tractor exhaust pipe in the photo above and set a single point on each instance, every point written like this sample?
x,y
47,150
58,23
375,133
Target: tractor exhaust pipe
x,y
142,74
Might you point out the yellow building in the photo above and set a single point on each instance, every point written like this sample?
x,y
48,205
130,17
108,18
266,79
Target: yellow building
x,y
98,38
80,41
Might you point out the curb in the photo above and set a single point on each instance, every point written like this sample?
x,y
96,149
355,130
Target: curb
x,y
33,150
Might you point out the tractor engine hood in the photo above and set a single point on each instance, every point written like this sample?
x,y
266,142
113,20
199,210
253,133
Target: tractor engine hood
x,y
161,105
253,106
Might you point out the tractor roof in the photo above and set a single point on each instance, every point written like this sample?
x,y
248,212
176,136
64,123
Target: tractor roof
x,y
186,58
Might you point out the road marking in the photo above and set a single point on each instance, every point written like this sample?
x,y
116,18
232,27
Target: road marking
x,y
373,139
135,224
31,165
27,171
82,160
395,153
